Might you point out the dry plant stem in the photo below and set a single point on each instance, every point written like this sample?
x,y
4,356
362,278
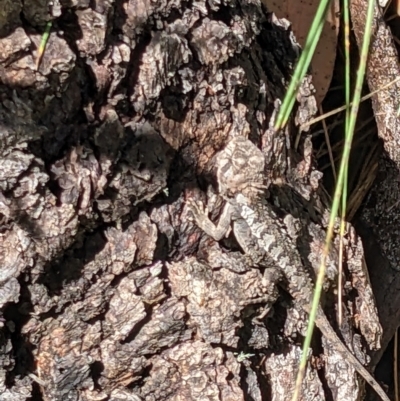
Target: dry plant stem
x,y
339,109
328,144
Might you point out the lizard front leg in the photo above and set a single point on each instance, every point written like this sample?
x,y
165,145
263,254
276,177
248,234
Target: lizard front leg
x,y
218,231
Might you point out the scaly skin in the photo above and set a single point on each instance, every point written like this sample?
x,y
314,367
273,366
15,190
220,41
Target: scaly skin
x,y
239,173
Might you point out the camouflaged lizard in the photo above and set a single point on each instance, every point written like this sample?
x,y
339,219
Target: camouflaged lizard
x,y
240,170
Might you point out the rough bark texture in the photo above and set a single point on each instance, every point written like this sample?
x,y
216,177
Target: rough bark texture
x,y
108,290
380,215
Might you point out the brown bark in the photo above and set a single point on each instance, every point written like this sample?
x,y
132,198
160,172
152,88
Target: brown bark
x,y
380,214
106,288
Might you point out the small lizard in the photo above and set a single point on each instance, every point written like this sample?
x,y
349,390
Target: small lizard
x,y
240,172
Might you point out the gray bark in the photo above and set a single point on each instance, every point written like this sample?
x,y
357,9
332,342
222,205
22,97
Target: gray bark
x,y
107,288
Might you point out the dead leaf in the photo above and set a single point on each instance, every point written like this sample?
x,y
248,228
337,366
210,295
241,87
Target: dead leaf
x,y
301,14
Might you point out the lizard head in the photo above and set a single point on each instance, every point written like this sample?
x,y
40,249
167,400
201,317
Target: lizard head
x,y
240,168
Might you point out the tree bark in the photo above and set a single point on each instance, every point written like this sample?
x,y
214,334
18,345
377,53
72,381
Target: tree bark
x,y
108,290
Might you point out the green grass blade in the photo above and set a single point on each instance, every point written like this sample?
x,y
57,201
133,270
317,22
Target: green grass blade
x,y
303,64
43,43
338,192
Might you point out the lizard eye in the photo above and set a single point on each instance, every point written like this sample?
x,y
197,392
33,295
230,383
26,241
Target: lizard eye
x,y
239,159
256,162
